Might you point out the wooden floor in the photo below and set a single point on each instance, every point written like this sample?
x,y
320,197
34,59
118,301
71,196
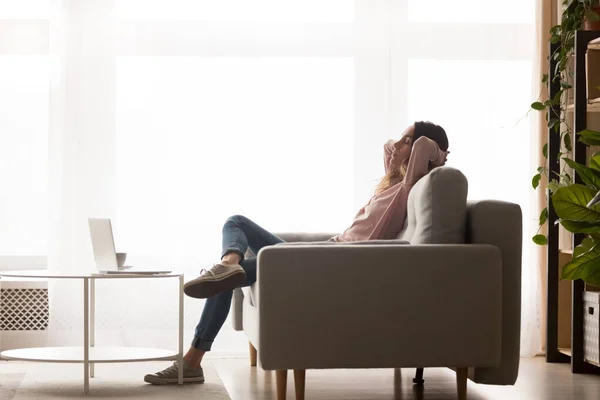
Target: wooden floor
x,y
234,378
537,380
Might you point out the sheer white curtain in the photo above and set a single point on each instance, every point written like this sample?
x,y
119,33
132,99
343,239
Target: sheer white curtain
x,y
170,116
468,66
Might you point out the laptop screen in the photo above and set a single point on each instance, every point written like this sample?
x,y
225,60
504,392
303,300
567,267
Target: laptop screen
x,y
103,244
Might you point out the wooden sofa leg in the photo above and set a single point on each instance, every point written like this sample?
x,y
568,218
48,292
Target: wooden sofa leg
x,y
281,381
461,382
253,355
418,379
299,383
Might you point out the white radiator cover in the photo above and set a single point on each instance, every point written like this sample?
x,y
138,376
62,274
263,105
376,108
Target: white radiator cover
x,y
24,313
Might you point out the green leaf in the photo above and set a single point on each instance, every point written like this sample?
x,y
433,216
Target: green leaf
x,y
589,137
590,134
586,245
544,216
535,182
540,239
538,106
591,276
567,141
545,150
594,201
553,186
581,226
570,203
544,78
589,142
592,16
540,170
553,122
557,97
586,266
565,85
595,161
587,175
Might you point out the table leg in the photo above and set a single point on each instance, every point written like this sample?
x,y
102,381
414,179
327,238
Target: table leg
x,y
180,358
86,336
92,320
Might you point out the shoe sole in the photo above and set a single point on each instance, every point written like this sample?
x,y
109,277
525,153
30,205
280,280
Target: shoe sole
x,y
171,381
202,289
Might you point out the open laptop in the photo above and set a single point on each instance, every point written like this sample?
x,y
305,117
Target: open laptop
x,y
103,245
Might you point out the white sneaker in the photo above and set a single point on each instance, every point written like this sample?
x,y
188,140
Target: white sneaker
x,y
170,375
219,278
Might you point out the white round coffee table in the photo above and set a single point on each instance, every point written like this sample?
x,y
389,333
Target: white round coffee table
x,y
89,354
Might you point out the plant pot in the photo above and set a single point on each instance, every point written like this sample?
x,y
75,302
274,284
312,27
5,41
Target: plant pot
x,y
592,26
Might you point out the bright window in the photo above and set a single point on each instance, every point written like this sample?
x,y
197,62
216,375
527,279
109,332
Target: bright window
x,y
25,9
269,138
471,11
23,154
238,10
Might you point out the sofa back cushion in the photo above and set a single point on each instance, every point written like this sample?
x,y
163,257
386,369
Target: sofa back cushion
x,y
437,208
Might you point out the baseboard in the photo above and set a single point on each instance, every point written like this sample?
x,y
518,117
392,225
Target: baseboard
x,y
22,339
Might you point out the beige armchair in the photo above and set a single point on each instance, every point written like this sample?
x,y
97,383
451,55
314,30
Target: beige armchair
x,y
449,298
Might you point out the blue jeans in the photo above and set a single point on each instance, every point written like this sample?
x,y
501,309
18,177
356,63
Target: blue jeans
x,y
239,234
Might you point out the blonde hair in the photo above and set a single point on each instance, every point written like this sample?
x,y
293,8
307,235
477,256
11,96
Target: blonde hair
x,y
393,177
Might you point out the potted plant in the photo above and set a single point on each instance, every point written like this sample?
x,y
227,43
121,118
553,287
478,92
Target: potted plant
x,y
592,22
577,206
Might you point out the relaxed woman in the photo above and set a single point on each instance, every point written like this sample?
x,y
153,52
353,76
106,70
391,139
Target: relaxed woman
x,y
422,147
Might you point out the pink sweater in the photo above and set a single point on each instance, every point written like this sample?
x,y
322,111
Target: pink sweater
x,y
383,217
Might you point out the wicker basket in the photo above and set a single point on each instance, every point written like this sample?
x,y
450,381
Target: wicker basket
x,y
591,327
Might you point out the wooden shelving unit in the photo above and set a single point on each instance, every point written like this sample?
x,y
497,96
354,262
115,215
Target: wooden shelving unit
x,y
593,106
564,330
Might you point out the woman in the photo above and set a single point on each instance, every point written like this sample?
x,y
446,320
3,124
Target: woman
x,y
423,146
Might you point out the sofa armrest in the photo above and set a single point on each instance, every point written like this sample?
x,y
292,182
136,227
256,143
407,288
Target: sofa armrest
x,y
499,224
379,306
238,296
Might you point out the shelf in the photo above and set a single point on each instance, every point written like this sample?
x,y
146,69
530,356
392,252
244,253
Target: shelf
x,y
566,352
103,354
593,105
564,322
591,362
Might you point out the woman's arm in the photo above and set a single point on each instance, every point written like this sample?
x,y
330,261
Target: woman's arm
x,y
388,149
424,150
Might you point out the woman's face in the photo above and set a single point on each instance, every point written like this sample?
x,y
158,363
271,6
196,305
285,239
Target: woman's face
x,y
403,147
